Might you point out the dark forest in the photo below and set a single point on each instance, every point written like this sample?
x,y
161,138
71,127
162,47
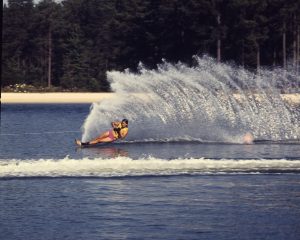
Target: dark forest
x,y
71,44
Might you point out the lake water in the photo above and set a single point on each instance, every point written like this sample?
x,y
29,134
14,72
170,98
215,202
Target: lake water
x,y
50,189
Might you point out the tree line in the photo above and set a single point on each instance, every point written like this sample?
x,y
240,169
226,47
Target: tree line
x,y
72,43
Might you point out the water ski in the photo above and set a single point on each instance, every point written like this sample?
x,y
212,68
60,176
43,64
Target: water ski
x,y
82,145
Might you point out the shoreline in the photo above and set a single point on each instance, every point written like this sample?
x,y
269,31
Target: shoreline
x,y
53,97
84,97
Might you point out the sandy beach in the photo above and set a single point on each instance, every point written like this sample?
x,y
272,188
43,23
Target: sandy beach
x,y
62,97
57,97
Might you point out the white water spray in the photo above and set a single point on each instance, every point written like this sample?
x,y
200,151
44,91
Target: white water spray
x,y
206,102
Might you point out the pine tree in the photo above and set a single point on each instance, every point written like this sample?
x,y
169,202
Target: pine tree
x,y
17,18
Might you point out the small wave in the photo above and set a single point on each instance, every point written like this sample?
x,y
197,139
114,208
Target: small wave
x,y
125,166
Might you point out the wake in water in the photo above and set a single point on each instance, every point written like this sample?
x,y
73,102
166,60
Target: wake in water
x,y
208,102
125,166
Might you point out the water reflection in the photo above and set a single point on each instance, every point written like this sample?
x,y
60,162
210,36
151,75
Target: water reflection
x,y
194,150
105,152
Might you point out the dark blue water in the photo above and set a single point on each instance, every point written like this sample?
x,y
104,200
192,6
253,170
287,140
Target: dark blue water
x,y
49,189
185,207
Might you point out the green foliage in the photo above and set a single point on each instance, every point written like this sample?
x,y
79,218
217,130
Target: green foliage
x,y
90,37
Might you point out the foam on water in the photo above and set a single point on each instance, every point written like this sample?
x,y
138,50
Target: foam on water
x,y
125,166
206,102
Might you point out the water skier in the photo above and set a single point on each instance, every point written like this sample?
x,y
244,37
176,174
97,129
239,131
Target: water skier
x,y
119,131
